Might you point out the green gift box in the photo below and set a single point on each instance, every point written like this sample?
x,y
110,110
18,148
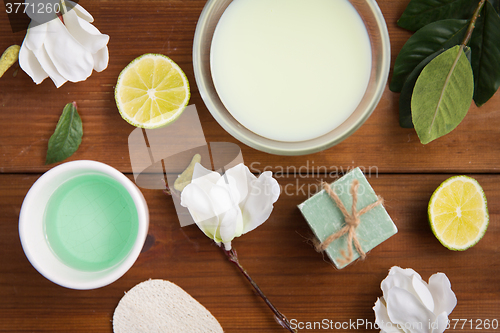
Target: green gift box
x,y
345,236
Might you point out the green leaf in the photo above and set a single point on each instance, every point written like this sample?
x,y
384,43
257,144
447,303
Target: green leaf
x,y
422,12
495,4
405,120
67,136
431,38
442,95
485,45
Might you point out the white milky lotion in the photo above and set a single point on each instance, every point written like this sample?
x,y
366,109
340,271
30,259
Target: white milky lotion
x,y
290,70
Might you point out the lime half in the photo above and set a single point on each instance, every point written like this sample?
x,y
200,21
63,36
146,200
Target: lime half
x,y
152,91
458,213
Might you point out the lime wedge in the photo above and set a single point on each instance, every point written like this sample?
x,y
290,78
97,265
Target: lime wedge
x,y
152,91
458,213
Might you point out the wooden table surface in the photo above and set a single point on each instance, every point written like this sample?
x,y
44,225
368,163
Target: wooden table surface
x,y
302,284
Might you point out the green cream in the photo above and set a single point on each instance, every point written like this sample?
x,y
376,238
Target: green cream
x,y
91,222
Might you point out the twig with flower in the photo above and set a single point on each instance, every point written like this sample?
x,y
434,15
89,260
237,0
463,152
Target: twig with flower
x,y
230,205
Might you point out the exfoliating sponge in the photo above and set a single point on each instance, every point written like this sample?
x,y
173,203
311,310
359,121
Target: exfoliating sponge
x,y
156,306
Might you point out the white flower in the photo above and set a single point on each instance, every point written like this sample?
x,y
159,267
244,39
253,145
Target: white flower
x,y
66,51
225,207
411,305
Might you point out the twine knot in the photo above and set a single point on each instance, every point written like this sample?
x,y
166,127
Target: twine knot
x,y
352,221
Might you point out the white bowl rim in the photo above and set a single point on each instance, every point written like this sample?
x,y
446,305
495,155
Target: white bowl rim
x,y
100,278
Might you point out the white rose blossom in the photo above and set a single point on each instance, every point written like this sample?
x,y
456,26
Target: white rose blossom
x,y
230,205
410,305
66,49
225,207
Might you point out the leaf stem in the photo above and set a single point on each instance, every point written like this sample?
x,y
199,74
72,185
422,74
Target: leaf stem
x,y
472,23
280,318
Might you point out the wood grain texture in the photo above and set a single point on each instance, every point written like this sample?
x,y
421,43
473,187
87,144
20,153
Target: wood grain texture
x,y
300,282
138,27
279,256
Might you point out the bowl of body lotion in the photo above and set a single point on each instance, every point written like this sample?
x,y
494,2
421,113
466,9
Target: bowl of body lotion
x,y
83,224
291,77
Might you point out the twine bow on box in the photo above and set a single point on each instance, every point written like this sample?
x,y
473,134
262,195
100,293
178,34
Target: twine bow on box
x,y
352,221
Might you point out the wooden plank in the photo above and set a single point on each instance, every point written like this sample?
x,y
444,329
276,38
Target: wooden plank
x,y
29,113
302,284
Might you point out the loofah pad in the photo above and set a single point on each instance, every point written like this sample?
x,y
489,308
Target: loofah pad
x,y
161,306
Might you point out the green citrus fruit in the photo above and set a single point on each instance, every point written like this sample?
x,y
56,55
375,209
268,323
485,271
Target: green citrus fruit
x,y
458,213
152,91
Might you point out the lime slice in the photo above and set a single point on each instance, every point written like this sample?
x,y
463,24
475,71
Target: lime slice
x,y
152,91
458,213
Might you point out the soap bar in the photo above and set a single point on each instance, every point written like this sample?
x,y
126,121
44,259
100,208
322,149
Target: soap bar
x,y
325,218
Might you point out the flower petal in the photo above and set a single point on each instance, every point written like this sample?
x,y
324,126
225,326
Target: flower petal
x,y
228,226
101,59
203,176
406,310
205,180
407,271
29,63
35,36
440,324
256,209
396,278
48,66
275,188
231,185
382,318
423,292
411,281
71,59
226,207
222,199
85,33
243,178
88,27
444,298
238,180
201,209
80,11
